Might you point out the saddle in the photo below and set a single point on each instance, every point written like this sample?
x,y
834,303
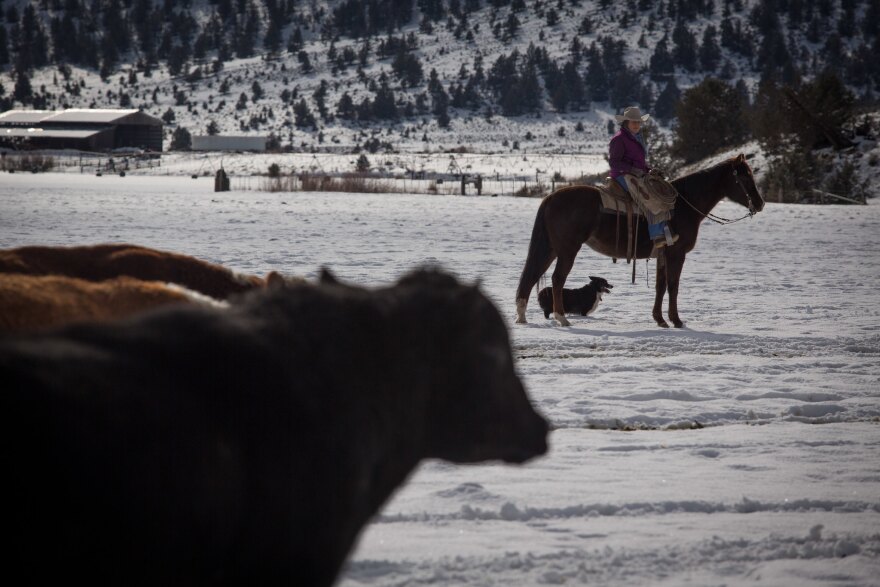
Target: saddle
x,y
615,200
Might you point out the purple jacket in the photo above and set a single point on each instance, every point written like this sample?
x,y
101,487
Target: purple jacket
x,y
625,153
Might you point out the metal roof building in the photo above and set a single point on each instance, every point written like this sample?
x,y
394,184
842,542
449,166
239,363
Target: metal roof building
x,y
76,128
229,143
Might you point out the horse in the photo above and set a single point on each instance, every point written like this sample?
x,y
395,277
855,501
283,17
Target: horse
x,y
106,261
572,216
38,302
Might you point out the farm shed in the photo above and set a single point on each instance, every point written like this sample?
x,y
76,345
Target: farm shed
x,y
84,129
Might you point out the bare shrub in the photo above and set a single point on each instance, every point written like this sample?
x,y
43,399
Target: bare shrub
x,y
307,182
33,162
591,179
537,190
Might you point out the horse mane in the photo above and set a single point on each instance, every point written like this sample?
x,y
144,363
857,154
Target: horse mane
x,y
704,174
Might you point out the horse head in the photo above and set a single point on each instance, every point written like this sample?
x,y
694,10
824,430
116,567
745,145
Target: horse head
x,y
741,186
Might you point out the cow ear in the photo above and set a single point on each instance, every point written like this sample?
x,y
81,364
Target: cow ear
x,y
326,276
274,280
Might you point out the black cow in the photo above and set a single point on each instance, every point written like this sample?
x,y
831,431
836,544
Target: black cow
x,y
191,446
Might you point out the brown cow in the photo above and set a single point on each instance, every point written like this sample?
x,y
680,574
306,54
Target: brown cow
x,y
100,262
191,446
33,302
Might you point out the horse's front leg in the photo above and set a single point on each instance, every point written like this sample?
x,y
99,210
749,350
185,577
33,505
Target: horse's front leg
x,y
564,263
660,290
674,265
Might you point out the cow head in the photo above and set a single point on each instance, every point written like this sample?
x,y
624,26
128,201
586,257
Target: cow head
x,y
477,407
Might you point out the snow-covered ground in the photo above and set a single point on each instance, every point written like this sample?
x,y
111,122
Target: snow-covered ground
x,y
519,167
779,364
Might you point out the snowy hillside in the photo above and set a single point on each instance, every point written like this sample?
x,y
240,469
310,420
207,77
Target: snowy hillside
x,y
284,68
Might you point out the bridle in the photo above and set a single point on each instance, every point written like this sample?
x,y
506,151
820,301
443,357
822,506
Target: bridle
x,y
720,219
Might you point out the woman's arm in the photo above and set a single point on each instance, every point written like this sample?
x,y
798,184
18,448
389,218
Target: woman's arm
x,y
617,157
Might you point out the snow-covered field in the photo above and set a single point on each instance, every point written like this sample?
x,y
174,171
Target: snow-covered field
x,y
779,364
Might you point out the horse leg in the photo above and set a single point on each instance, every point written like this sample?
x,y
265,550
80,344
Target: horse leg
x,y
564,263
674,265
526,285
660,290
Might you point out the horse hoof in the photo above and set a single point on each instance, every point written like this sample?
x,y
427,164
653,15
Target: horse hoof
x,y
563,321
521,311
678,324
662,324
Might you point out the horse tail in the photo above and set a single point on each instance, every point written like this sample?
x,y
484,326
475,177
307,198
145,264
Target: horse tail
x,y
539,255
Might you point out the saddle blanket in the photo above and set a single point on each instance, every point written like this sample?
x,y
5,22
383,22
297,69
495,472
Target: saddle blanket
x,y
614,204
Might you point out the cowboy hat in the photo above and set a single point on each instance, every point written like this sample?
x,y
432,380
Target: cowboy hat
x,y
632,113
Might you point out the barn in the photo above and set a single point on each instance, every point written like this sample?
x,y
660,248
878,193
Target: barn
x,y
82,129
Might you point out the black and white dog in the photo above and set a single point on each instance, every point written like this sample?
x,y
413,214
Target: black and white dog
x,y
576,301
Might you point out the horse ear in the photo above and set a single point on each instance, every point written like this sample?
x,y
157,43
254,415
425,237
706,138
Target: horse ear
x,y
274,280
326,276
741,158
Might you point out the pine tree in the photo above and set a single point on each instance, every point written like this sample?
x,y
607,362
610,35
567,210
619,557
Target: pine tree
x,y
272,40
303,117
257,91
365,110
710,52
407,68
295,43
345,108
596,78
830,101
22,91
181,139
667,101
626,88
586,26
685,47
320,98
304,61
560,97
770,116
384,104
661,64
439,99
530,88
710,118
511,27
4,46
575,84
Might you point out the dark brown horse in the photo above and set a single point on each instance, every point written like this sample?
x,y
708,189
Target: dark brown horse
x,y
572,216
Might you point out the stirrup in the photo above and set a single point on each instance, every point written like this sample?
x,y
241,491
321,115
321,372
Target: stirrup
x,y
670,238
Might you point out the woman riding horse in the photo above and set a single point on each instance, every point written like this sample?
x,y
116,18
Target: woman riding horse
x,y
627,154
572,216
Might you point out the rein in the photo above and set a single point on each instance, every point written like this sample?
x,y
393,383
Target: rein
x,y
720,219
